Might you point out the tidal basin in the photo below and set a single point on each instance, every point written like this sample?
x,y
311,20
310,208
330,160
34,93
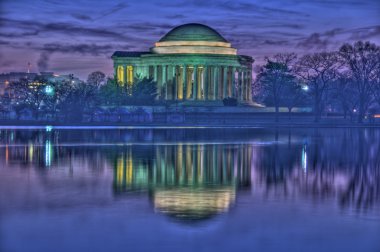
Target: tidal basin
x,y
189,189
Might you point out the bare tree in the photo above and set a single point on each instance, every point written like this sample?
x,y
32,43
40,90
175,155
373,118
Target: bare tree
x,y
274,77
344,93
96,78
363,60
318,71
294,95
257,91
377,87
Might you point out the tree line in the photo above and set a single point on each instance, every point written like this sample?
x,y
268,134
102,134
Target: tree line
x,y
73,100
346,81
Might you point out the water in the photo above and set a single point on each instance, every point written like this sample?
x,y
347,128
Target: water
x,y
144,189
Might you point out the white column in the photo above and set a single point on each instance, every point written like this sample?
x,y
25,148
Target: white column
x,y
232,82
225,69
175,84
245,85
155,73
215,81
146,72
185,83
164,83
199,83
249,86
240,84
205,82
195,85
176,81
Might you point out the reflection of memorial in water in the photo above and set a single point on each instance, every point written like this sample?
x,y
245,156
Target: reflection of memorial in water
x,y
318,165
190,182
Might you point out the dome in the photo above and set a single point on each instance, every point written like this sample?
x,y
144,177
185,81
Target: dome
x,y
193,32
193,39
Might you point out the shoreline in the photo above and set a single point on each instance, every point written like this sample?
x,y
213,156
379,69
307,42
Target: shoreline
x,y
109,125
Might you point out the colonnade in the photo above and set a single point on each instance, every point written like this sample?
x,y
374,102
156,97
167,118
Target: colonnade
x,y
195,82
202,82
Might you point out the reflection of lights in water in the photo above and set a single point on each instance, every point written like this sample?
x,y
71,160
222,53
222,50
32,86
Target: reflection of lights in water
x,y
31,150
48,153
304,158
124,171
192,204
129,172
120,171
6,154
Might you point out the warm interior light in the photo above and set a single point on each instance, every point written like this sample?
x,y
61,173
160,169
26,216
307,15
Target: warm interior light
x,y
120,75
129,74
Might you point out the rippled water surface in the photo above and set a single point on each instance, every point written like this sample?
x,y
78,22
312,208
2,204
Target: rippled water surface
x,y
99,189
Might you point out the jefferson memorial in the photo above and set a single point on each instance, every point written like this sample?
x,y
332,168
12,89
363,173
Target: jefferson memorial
x,y
192,62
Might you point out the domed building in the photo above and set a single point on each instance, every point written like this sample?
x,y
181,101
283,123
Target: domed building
x,y
192,62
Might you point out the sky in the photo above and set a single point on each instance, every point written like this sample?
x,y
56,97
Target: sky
x,y
79,37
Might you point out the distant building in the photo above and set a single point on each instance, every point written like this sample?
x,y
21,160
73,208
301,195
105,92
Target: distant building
x,y
8,78
191,62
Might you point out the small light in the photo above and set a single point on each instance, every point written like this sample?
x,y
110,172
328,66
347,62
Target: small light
x,y
305,88
49,90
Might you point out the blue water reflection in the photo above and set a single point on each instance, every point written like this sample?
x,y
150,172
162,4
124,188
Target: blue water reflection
x,y
189,189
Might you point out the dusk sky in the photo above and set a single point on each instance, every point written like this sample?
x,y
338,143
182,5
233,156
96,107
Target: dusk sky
x,y
80,36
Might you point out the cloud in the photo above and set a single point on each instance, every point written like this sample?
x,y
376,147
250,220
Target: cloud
x,y
2,42
283,25
84,49
314,41
237,6
333,32
91,49
105,13
113,10
148,26
175,16
18,35
275,42
252,8
339,3
366,33
32,28
81,17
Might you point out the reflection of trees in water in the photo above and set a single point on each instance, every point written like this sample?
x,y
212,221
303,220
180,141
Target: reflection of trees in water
x,y
341,163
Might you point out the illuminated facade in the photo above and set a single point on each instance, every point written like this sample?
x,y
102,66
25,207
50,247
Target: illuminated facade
x,y
192,62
